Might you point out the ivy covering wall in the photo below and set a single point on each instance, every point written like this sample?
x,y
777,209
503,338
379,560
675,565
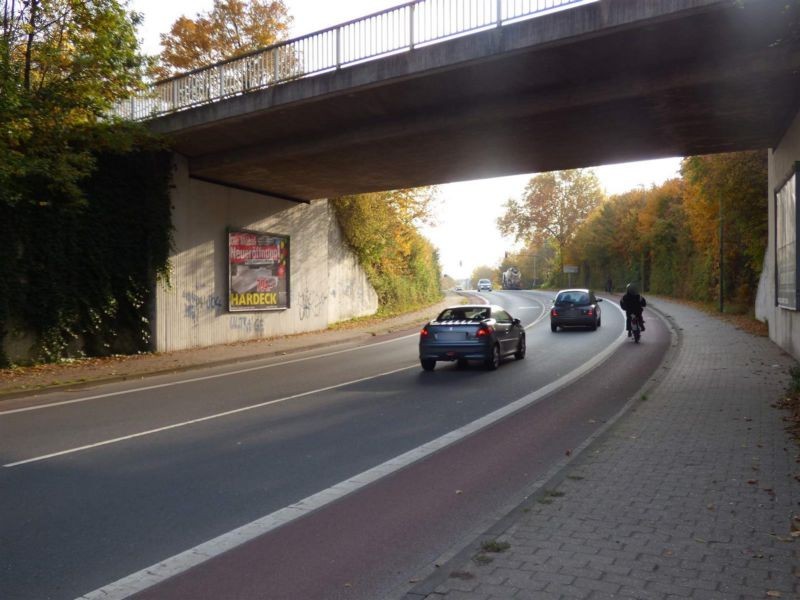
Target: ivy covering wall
x,y
78,277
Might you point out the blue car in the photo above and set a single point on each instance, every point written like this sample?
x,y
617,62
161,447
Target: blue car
x,y
471,332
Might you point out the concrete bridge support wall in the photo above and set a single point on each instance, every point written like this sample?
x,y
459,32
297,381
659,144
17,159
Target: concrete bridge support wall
x,y
784,324
326,282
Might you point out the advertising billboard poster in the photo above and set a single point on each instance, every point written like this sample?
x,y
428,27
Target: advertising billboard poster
x,y
258,271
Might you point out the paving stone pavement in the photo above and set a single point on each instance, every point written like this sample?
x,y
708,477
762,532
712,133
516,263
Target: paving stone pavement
x,y
690,494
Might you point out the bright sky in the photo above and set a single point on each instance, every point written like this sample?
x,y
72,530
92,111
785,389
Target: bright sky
x,y
463,241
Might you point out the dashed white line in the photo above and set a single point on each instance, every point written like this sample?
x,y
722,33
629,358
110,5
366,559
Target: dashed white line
x,y
200,419
196,379
208,417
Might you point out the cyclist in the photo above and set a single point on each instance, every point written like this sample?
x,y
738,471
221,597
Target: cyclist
x,y
632,303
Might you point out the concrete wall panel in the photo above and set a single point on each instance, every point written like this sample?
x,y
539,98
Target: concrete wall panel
x,y
782,322
326,283
350,293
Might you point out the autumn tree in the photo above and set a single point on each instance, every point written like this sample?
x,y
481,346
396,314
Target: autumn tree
x,y
381,228
637,236
84,198
593,246
229,29
62,66
484,272
552,207
664,239
732,188
673,230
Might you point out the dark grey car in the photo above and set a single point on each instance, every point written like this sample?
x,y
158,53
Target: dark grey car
x,y
471,332
575,308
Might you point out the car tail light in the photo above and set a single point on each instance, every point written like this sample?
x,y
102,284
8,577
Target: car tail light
x,y
590,312
424,332
483,331
553,312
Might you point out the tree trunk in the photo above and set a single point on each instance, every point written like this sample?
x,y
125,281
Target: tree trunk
x,y
29,45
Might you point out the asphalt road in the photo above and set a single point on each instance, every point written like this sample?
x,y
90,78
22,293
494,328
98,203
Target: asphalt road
x,y
103,483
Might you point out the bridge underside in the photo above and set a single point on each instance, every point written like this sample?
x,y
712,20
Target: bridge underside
x,y
607,82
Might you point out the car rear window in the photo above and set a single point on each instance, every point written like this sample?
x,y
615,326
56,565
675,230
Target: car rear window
x,y
573,298
463,314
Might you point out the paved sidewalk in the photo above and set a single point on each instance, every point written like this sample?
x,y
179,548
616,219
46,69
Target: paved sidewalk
x,y
690,494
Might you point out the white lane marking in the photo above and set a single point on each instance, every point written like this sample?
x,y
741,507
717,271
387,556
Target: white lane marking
x,y
154,574
540,317
201,419
209,417
203,378
537,320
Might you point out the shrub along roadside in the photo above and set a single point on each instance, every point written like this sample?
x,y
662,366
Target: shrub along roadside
x,y
400,263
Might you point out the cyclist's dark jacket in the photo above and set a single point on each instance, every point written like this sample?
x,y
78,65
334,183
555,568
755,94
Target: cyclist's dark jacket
x,y
633,303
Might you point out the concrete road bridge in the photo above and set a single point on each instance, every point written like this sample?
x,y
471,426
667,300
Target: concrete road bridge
x,y
436,91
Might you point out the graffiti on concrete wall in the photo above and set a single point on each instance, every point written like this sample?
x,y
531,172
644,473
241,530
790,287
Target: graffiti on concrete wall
x,y
310,303
350,291
197,305
246,324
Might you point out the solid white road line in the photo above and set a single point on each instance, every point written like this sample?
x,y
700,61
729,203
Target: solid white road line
x,y
188,559
203,378
201,419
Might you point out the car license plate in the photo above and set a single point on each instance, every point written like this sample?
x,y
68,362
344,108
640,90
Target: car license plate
x,y
451,336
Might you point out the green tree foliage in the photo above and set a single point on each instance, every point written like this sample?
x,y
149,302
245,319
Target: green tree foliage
x,y
668,236
401,264
231,28
552,207
63,63
63,275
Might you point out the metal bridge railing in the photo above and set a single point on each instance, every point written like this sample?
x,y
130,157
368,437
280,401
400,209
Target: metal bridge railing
x,y
390,31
